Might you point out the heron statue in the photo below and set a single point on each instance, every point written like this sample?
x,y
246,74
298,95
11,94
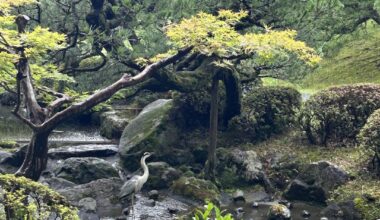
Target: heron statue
x,y
134,185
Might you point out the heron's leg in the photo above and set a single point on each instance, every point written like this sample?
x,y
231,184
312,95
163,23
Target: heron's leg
x,y
133,209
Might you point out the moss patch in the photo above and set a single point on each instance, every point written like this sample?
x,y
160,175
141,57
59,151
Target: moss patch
x,y
9,146
365,193
198,189
295,146
357,62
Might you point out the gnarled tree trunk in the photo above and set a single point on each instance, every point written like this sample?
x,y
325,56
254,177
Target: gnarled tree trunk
x,y
36,156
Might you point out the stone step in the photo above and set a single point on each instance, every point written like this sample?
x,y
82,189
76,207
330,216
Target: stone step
x,y
75,142
88,150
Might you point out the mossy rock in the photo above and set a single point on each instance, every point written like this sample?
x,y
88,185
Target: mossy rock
x,y
198,189
152,130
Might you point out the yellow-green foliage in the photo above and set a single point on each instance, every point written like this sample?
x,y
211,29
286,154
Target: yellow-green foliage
x,y
31,200
6,5
216,35
37,42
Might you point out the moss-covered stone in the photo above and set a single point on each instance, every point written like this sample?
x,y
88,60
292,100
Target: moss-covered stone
x,y
198,189
152,130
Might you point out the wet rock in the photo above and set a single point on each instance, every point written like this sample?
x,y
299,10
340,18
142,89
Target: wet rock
x,y
104,191
248,163
255,205
4,154
238,196
112,125
153,194
286,203
57,183
88,216
91,150
126,211
161,175
87,204
343,210
8,99
16,158
197,189
151,203
278,212
84,170
173,210
316,182
240,210
153,131
305,214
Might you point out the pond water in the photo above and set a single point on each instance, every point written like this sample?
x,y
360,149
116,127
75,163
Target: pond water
x,y
260,213
13,129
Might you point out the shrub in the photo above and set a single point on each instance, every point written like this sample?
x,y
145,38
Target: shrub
x,y
266,111
22,198
335,116
369,137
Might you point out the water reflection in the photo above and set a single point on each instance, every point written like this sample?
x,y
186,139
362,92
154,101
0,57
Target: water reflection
x,y
12,129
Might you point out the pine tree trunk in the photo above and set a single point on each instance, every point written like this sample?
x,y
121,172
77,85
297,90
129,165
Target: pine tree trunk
x,y
211,158
36,157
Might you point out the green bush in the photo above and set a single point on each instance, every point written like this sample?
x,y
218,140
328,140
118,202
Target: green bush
x,y
369,138
369,135
22,198
335,116
266,111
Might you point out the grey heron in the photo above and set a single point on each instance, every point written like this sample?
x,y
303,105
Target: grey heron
x,y
134,185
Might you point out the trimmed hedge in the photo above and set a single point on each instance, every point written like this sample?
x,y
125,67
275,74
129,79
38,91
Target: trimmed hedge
x,y
369,137
266,111
335,116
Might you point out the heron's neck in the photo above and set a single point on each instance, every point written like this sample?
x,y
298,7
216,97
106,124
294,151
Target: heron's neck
x,y
145,168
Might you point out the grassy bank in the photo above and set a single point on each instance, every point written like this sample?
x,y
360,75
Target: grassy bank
x,y
358,61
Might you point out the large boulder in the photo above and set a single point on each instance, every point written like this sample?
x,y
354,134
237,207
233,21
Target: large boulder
x,y
153,131
161,175
316,182
112,124
102,192
84,170
198,189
